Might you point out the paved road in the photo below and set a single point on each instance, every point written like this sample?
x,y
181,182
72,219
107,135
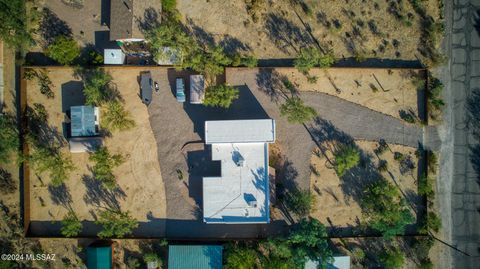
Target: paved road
x,y
459,193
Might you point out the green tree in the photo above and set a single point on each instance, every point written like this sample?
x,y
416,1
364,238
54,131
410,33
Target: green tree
x,y
64,50
296,112
210,61
169,5
392,259
238,257
311,57
385,209
13,29
71,225
115,117
300,202
9,138
104,165
55,163
96,86
308,241
425,187
431,223
346,157
132,263
220,96
115,223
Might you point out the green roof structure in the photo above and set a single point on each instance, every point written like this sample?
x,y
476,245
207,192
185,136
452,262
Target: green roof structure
x,y
99,257
194,256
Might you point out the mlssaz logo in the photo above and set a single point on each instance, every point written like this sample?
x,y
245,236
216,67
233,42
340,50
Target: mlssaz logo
x,y
40,257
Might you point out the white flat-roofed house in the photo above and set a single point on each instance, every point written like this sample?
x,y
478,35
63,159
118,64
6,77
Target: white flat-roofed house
x,y
241,193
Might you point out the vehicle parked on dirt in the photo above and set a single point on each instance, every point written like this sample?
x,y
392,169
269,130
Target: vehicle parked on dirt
x,y
180,90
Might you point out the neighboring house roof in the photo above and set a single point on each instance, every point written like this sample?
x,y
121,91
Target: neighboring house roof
x,y
126,16
83,120
99,257
240,131
113,56
84,144
197,89
194,256
241,193
339,262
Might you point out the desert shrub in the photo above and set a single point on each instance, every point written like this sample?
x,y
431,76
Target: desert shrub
x,y
289,85
169,6
54,162
29,74
45,84
406,116
115,117
115,223
312,79
132,263
239,257
71,225
64,50
13,29
7,184
372,25
104,165
153,258
431,222
421,247
381,147
386,211
312,57
254,8
425,264
383,166
398,156
425,187
346,157
244,60
220,96
358,254
300,202
432,161
296,112
9,137
392,259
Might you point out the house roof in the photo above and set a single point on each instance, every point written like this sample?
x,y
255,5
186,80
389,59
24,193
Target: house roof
x,y
82,121
197,89
99,257
195,256
126,16
240,131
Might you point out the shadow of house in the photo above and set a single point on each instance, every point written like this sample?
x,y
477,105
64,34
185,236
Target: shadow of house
x,y
200,165
72,95
105,12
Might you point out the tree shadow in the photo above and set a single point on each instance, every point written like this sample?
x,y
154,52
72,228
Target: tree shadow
x,y
285,34
473,108
204,38
151,20
232,45
99,196
61,196
270,82
52,26
39,130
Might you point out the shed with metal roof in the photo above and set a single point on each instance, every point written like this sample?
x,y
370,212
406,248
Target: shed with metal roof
x,y
195,256
84,120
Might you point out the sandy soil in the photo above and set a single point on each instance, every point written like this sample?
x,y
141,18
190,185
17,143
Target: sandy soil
x,y
281,30
139,177
338,209
394,89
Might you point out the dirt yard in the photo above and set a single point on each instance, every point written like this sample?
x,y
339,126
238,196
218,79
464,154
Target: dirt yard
x,y
141,186
337,204
278,29
383,90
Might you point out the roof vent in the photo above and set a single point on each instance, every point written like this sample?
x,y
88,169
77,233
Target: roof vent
x,y
253,203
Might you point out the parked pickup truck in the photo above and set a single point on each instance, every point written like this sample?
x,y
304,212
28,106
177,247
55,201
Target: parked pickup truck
x,y
180,87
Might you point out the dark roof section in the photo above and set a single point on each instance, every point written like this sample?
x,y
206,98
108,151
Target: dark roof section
x,y
127,15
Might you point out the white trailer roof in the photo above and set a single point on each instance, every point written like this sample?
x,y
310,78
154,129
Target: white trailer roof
x,y
113,56
241,193
240,131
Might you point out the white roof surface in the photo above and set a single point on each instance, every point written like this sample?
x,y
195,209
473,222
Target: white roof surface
x,y
241,194
240,131
339,262
113,56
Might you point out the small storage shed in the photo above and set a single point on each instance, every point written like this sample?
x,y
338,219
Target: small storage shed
x,y
113,56
195,256
99,256
197,89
